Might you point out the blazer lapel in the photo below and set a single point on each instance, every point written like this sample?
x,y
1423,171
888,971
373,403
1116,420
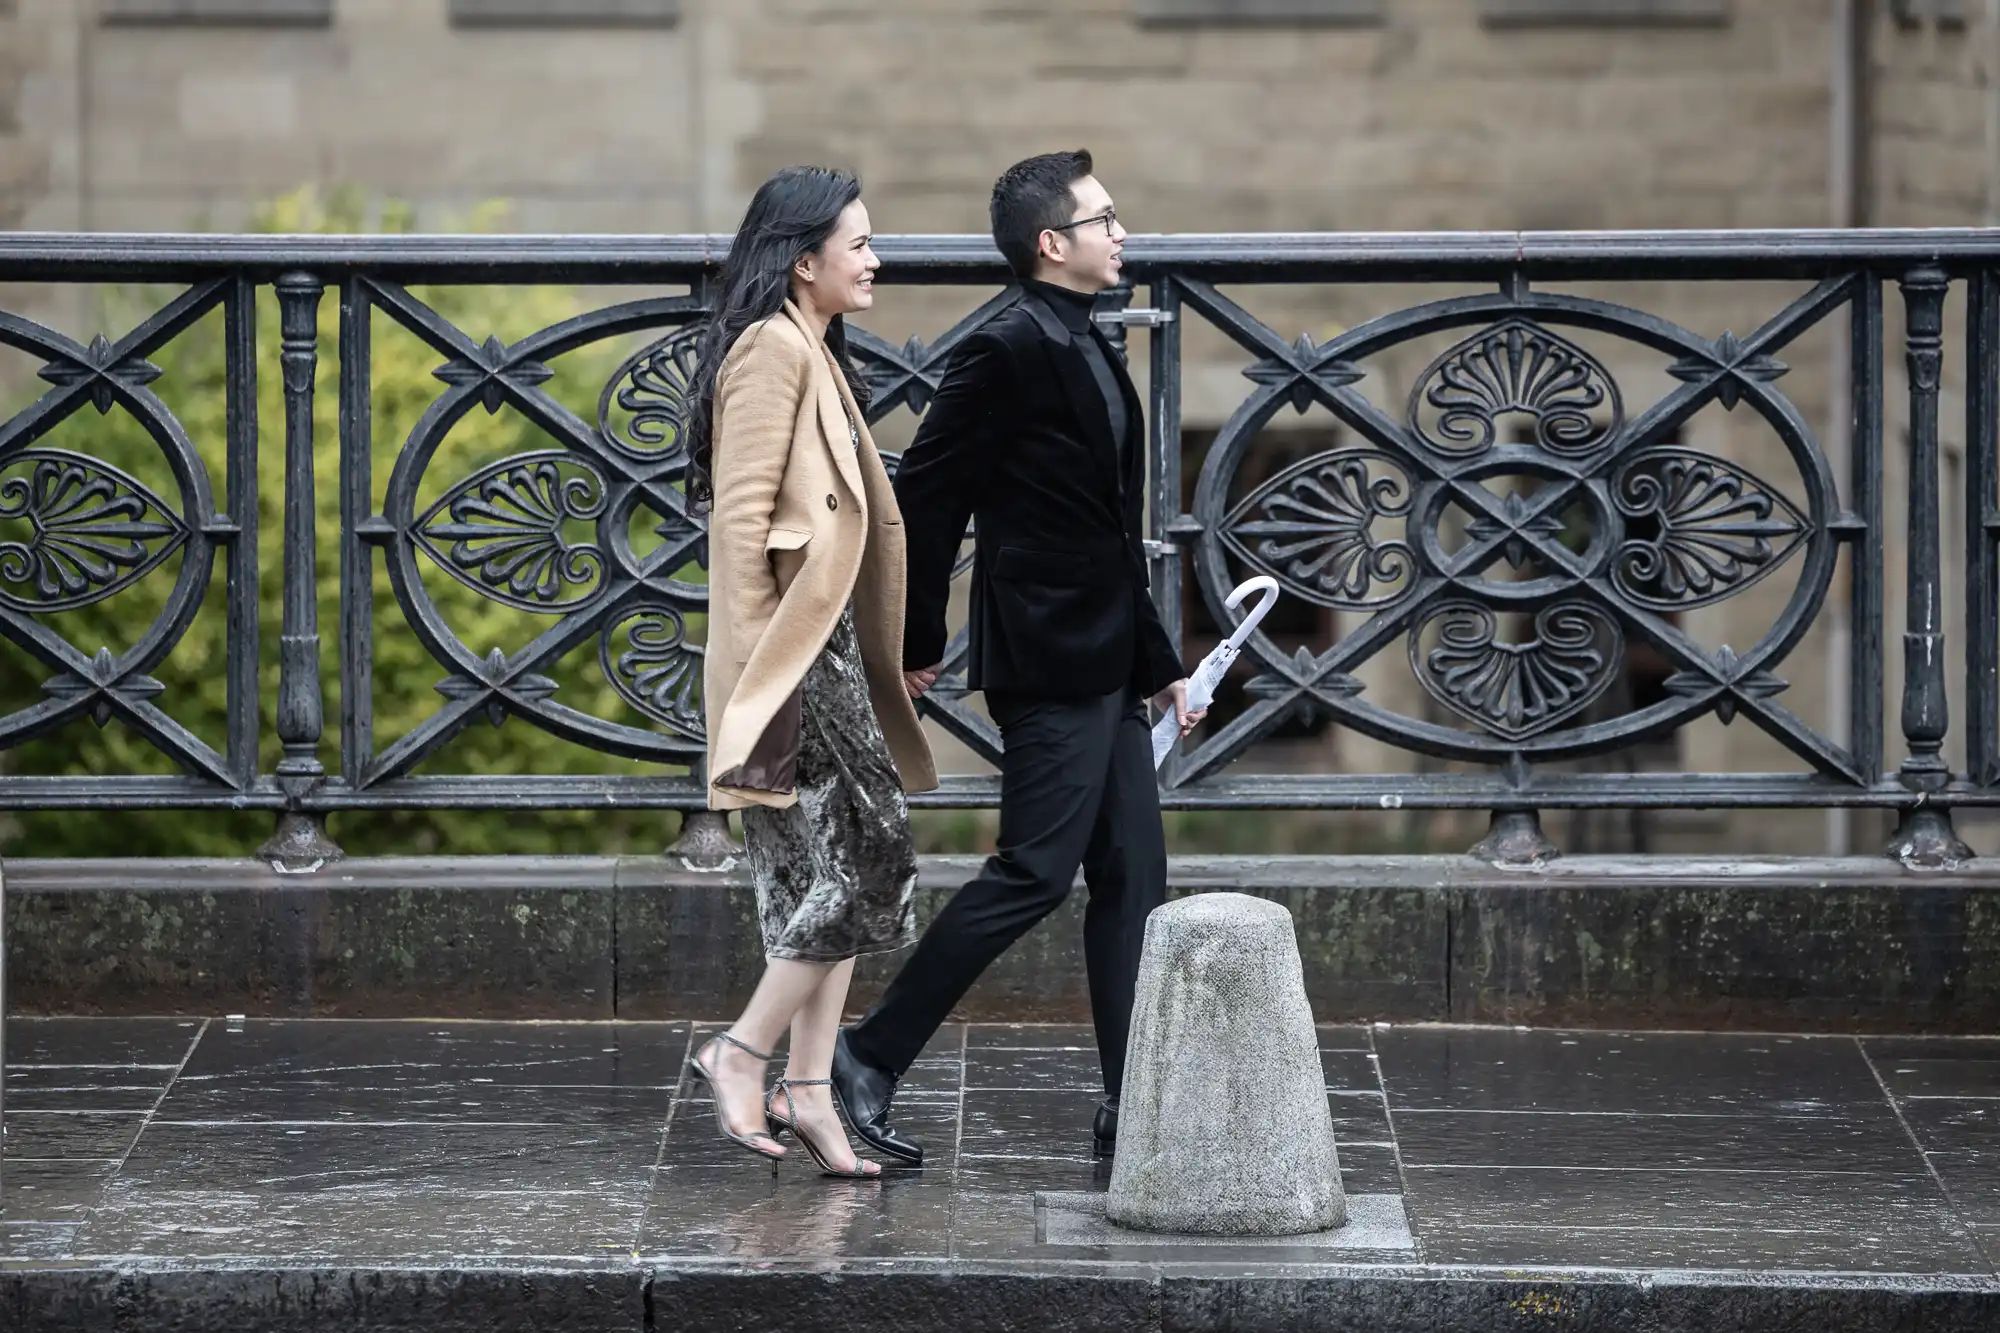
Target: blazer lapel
x,y
1131,472
1086,401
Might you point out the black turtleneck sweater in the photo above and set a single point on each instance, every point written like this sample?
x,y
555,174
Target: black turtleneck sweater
x,y
1073,309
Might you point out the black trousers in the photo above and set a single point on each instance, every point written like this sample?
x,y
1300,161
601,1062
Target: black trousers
x,y
1076,787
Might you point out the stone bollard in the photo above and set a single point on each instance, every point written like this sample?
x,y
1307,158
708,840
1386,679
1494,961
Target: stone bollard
x,y
1223,1126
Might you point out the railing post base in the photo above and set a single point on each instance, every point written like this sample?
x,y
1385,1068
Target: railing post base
x,y
1515,839
705,844
300,845
1925,840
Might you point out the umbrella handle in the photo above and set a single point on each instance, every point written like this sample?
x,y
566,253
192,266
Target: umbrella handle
x,y
1262,583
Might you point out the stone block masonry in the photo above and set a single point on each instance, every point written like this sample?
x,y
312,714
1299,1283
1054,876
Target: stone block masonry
x,y
1832,944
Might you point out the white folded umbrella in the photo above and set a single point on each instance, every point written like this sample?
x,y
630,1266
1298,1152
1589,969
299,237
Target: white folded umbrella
x,y
1201,685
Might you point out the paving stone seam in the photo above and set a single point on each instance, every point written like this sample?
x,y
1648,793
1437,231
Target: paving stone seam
x,y
90,1213
1958,1214
1614,1115
1395,1139
957,1143
674,1102
1787,1172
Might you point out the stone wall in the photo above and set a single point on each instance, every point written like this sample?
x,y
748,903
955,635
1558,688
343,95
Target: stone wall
x,y
24,153
1823,944
191,124
1427,119
1933,111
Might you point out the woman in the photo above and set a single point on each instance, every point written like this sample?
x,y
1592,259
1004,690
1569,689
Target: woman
x,y
811,731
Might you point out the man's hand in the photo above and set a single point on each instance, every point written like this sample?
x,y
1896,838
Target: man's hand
x,y
1175,697
916,682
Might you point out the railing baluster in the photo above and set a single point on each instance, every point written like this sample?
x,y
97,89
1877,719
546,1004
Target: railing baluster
x,y
357,504
703,843
240,427
301,839
1925,836
1864,463
1982,584
1163,468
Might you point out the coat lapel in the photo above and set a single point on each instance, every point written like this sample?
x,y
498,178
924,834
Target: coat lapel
x,y
1086,402
833,425
832,412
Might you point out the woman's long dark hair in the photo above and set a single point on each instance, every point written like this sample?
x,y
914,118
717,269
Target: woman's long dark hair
x,y
789,217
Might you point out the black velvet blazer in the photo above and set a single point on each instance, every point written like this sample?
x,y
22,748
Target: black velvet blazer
x,y
1019,439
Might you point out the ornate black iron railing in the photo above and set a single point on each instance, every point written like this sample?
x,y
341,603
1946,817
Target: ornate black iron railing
x,y
1506,533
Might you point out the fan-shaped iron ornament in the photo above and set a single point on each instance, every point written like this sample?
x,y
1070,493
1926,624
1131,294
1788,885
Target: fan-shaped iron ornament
x,y
1516,368
1699,529
551,532
74,530
505,531
1318,527
1515,528
648,659
1516,690
643,408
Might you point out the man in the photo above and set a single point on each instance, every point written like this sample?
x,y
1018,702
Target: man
x,y
1037,431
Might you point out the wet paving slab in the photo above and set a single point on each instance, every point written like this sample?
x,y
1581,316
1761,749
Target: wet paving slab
x,y
1863,1174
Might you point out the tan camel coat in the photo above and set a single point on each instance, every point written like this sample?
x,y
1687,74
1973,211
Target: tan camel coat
x,y
801,521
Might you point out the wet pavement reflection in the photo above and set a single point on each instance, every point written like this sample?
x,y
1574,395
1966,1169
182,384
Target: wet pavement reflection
x,y
178,1140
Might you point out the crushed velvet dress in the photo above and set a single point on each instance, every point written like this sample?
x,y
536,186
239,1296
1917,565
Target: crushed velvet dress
x,y
836,874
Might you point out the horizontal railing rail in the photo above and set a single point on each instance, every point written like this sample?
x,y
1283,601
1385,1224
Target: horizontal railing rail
x,y
939,259
1505,527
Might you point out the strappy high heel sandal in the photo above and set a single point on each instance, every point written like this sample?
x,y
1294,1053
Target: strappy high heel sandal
x,y
778,1124
749,1142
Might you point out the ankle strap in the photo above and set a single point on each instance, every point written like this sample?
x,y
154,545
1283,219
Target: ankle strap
x,y
750,1050
785,1085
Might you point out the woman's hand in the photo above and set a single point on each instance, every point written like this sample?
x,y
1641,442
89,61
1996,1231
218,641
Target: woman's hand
x,y
916,682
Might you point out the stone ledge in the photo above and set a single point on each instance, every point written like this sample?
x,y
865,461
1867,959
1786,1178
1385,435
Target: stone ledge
x,y
921,1297
1856,943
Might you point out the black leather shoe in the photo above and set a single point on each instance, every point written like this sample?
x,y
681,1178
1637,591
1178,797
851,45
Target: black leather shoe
x,y
1104,1129
863,1093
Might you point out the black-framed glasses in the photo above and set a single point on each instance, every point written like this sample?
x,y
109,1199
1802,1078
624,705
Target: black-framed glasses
x,y
1109,217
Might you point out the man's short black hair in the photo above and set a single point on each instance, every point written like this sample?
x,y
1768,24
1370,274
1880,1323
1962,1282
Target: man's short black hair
x,y
1029,198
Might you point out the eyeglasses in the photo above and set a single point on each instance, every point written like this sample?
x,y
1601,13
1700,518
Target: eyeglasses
x,y
1109,217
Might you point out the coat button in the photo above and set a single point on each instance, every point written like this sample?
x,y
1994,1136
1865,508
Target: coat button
x,y
832,503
